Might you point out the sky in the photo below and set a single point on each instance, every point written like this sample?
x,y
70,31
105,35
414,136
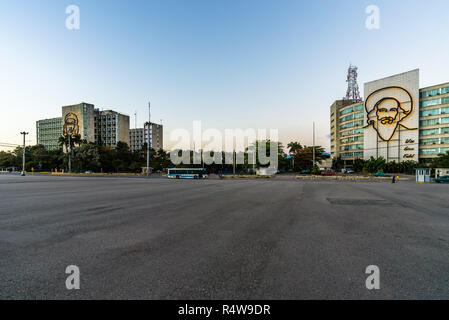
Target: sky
x,y
229,64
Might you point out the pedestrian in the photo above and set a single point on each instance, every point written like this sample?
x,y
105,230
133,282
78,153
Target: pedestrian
x,y
394,179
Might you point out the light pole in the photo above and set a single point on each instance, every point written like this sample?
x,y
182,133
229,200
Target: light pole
x,y
70,152
148,142
313,144
23,153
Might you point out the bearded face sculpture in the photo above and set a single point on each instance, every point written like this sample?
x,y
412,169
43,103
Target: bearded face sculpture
x,y
386,109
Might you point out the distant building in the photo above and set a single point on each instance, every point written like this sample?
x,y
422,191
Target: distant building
x,y
347,129
139,136
103,127
111,127
48,132
79,119
397,121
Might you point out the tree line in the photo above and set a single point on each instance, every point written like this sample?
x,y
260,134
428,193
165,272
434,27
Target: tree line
x,y
374,165
87,156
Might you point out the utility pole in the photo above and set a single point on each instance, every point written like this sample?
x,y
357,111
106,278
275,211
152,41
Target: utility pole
x,y
23,153
233,162
313,144
70,152
148,142
202,162
254,160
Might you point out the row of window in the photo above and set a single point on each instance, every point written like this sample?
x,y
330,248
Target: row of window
x,y
351,139
351,124
425,142
352,155
434,151
352,116
434,112
351,132
434,102
352,147
352,109
434,122
429,132
434,92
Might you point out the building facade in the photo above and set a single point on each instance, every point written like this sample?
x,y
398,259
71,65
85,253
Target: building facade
x,y
79,119
347,130
110,128
102,127
433,121
139,136
48,132
397,121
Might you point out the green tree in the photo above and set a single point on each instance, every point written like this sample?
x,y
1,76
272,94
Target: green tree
x,y
304,158
358,165
87,157
337,163
294,147
375,165
282,162
442,161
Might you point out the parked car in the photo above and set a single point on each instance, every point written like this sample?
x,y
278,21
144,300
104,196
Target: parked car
x,y
328,173
381,174
442,179
307,171
347,171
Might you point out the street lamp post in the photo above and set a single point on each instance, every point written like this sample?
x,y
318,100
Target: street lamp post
x,y
148,142
313,145
23,153
70,152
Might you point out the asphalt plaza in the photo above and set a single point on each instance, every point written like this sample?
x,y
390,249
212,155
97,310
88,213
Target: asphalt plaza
x,y
135,238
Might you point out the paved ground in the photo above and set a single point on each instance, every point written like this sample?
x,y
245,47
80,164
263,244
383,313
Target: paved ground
x,y
214,239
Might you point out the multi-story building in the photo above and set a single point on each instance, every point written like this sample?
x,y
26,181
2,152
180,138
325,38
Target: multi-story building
x,y
397,121
433,121
139,136
106,127
347,130
79,119
48,132
111,127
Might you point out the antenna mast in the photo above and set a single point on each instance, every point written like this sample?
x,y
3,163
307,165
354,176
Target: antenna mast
x,y
353,88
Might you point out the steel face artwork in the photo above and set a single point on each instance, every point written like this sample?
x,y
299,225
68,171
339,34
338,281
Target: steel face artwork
x,y
71,124
386,109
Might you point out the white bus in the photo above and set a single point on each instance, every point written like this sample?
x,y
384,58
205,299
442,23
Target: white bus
x,y
186,173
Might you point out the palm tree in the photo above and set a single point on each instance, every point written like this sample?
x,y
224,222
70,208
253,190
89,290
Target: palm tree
x,y
74,140
294,147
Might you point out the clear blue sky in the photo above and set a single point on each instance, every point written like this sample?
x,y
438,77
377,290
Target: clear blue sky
x,y
231,64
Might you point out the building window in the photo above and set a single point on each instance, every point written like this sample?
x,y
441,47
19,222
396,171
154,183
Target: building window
x,y
428,132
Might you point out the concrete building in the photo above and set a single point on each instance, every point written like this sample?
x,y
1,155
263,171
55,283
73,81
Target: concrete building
x,y
110,127
138,136
106,127
347,130
48,132
79,119
434,121
397,121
